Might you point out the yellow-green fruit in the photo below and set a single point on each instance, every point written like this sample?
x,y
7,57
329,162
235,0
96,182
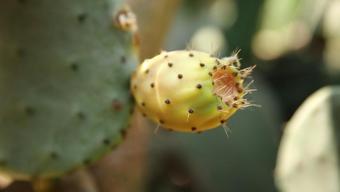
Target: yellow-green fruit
x,y
190,91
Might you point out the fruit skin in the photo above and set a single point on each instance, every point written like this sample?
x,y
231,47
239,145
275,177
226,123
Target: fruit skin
x,y
64,84
190,91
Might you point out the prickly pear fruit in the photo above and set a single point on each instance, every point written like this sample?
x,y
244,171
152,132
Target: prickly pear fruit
x,y
64,83
190,91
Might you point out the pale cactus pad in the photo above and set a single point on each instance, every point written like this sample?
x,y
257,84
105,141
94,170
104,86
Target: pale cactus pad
x,y
190,91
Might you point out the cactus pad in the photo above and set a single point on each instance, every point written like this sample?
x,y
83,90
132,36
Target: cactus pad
x,y
190,91
64,84
308,158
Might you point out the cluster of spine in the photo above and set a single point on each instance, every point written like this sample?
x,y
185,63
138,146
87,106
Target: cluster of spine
x,y
228,82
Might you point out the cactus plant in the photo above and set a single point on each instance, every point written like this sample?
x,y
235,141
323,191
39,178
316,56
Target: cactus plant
x,y
64,83
190,91
308,158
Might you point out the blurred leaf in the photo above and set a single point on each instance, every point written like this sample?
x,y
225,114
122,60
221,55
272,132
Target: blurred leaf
x,y
308,158
287,25
331,29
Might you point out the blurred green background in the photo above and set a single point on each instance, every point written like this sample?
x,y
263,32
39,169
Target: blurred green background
x,y
295,45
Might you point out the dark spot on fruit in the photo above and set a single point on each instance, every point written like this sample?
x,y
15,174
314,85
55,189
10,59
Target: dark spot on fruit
x,y
224,67
217,61
191,54
143,114
147,71
193,128
170,130
161,121
191,111
116,105
54,155
81,115
227,103
222,121
242,102
135,87
180,76
235,74
234,63
202,64
30,111
106,141
198,86
235,98
74,67
210,74
123,59
235,105
81,17
212,83
167,101
143,104
214,68
166,56
170,64
152,85
219,107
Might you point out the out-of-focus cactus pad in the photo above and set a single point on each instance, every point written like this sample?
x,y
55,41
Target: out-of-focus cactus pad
x,y
308,158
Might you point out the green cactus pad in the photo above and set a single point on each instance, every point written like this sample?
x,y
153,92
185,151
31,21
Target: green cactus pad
x,y
64,84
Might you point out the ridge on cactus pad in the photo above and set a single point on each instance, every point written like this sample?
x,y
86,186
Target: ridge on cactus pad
x,y
64,84
190,91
